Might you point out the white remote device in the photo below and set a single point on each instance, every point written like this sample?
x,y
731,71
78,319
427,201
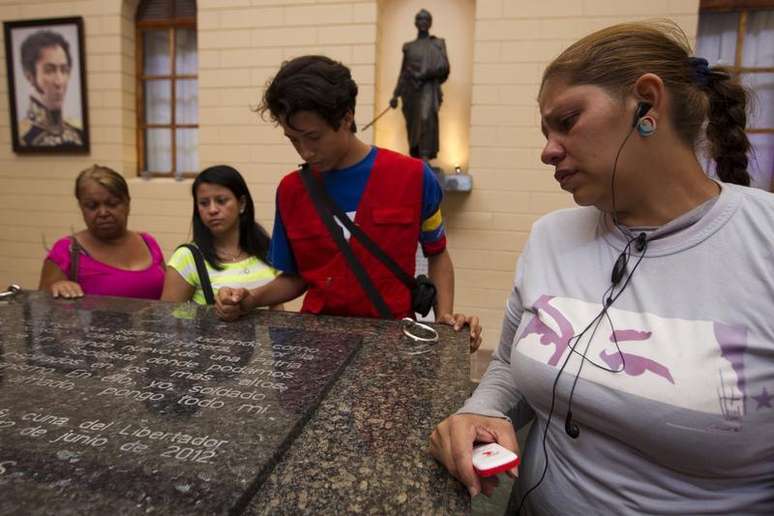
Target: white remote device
x,y
491,459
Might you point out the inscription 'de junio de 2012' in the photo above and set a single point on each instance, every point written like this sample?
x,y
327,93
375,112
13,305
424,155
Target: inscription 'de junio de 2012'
x,y
132,438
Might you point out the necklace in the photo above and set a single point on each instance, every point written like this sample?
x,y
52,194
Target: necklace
x,y
231,258
235,258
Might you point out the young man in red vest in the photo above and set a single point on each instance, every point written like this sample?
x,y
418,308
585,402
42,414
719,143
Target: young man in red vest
x,y
392,198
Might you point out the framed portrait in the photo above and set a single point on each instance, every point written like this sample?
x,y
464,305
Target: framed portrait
x,y
47,85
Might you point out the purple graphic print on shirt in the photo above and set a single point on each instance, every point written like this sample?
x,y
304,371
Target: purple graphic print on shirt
x,y
732,341
733,344
763,400
633,365
547,335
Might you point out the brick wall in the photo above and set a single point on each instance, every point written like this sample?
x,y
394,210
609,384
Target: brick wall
x,y
241,44
36,191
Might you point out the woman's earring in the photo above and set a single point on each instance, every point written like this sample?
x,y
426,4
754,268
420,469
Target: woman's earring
x,y
646,126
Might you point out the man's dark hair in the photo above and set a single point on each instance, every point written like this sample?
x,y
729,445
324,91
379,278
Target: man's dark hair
x,y
310,83
31,47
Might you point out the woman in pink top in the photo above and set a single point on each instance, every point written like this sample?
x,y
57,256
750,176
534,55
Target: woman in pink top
x,y
104,259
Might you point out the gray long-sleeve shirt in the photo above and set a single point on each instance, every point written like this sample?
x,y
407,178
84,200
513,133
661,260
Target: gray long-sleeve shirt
x,y
686,423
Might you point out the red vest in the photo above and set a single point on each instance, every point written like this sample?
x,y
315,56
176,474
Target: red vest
x,y
390,212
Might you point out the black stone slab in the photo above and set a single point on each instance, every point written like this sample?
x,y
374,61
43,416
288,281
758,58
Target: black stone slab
x,y
112,405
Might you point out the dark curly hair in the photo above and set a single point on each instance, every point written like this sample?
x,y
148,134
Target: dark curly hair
x,y
310,83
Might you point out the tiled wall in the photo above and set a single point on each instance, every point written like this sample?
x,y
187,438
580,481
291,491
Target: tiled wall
x,y
241,43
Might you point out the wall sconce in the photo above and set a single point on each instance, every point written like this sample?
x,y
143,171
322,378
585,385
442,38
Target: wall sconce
x,y
458,182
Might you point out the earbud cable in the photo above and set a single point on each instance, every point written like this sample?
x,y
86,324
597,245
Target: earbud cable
x,y
596,321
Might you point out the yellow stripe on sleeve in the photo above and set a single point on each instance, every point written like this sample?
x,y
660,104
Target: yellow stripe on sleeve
x,y
433,222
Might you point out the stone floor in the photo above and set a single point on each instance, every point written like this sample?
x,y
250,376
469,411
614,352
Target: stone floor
x,y
495,504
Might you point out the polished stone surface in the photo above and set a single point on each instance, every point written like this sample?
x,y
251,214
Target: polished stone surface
x,y
73,368
365,449
131,406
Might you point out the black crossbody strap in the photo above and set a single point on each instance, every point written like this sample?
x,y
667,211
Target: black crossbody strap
x,y
314,190
201,269
366,241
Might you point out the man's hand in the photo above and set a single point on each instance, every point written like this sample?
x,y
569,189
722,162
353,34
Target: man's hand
x,y
459,321
67,289
232,303
452,445
394,102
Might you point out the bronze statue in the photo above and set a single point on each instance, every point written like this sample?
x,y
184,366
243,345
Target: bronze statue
x,y
424,68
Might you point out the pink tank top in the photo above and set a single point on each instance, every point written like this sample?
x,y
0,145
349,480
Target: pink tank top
x,y
97,278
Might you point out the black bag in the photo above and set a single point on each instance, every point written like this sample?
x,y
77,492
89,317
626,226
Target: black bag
x,y
75,255
422,289
423,295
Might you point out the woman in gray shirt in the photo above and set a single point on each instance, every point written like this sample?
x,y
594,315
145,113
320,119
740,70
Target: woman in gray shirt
x,y
639,335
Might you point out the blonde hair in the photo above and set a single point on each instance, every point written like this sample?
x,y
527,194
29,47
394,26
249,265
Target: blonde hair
x,y
615,57
106,177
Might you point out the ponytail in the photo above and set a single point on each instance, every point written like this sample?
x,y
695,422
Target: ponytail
x,y
728,142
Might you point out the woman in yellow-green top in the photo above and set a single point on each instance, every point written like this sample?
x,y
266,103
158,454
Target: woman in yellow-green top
x,y
233,246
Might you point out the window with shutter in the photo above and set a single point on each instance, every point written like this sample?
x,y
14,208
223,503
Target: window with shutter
x,y
167,88
740,35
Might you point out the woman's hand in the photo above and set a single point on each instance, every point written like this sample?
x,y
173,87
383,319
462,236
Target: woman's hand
x,y
54,281
459,321
452,445
232,303
66,289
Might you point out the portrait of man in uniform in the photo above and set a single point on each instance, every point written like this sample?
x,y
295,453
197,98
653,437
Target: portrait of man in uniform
x,y
46,75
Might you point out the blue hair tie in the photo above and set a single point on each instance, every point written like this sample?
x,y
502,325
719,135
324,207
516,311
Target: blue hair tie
x,y
701,70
